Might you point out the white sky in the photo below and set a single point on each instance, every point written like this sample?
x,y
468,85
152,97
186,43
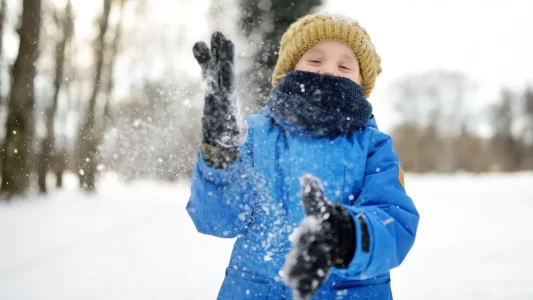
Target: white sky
x,y
489,40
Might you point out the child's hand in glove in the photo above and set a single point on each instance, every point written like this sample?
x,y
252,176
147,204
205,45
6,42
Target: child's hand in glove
x,y
325,238
222,128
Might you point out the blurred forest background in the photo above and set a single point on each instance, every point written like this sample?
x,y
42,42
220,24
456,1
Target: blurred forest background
x,y
111,90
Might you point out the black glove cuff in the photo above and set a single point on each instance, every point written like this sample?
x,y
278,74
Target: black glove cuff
x,y
218,157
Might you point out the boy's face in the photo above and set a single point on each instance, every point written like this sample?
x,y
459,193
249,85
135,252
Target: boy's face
x,y
331,58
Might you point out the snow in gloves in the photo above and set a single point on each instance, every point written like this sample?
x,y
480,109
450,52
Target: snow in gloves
x,y
309,186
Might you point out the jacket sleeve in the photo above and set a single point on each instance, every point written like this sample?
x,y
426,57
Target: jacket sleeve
x,y
220,202
385,217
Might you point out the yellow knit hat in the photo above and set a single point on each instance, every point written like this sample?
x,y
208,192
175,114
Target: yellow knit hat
x,y
311,29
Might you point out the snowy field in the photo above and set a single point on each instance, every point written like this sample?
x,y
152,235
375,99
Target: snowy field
x,y
137,242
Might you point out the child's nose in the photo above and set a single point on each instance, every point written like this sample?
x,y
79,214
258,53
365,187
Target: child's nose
x,y
328,70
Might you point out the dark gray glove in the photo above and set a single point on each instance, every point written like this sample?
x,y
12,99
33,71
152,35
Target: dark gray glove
x,y
325,239
222,128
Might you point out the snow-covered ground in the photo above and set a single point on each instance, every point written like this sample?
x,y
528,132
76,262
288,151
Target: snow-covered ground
x,y
137,242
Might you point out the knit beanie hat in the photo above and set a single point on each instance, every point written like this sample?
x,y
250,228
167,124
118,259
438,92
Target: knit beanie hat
x,y
312,29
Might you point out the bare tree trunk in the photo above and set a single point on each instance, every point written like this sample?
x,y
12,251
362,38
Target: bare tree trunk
x,y
63,154
2,18
19,126
111,63
528,134
48,143
88,140
59,178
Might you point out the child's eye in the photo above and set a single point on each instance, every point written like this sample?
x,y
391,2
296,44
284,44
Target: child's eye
x,y
346,68
314,61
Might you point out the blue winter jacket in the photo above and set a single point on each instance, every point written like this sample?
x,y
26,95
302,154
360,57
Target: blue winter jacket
x,y
258,201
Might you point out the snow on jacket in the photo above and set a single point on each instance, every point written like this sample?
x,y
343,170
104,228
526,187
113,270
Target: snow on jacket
x,y
258,201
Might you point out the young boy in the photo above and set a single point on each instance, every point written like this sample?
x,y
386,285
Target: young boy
x,y
311,162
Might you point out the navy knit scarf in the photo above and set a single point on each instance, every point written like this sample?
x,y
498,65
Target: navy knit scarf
x,y
326,105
